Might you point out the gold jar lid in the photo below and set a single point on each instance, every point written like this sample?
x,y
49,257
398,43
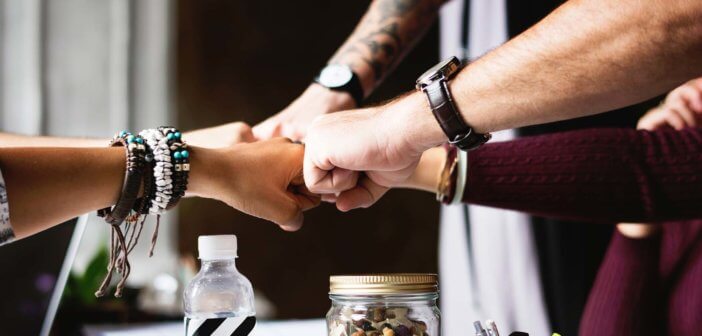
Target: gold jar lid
x,y
379,284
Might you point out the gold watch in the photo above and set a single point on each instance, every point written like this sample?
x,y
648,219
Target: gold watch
x,y
446,188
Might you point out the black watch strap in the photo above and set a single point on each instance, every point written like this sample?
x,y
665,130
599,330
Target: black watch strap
x,y
459,133
352,87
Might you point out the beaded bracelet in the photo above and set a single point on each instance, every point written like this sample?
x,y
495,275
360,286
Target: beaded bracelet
x,y
181,164
158,159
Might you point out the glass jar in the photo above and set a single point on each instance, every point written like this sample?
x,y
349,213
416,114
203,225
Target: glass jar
x,y
384,305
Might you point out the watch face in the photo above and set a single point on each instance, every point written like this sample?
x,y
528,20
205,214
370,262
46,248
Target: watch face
x,y
445,69
335,75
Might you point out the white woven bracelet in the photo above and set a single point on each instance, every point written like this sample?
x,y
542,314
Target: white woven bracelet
x,y
163,169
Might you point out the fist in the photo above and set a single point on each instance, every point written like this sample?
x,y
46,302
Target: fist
x,y
262,179
357,155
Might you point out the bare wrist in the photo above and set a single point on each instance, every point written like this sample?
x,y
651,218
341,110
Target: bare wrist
x,y
427,174
334,100
417,125
203,172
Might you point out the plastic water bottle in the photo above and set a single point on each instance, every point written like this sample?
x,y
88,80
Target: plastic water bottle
x,y
219,300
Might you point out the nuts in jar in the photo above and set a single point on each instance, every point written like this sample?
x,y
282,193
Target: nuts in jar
x,y
384,305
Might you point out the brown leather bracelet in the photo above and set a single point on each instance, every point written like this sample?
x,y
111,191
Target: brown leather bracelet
x,y
135,150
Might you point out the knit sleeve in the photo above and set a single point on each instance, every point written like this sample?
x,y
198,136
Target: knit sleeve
x,y
607,175
6,232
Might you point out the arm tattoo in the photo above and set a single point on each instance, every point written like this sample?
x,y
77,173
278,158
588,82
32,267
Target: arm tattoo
x,y
384,34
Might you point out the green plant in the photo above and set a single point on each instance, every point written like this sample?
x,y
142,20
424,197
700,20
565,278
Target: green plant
x,y
80,288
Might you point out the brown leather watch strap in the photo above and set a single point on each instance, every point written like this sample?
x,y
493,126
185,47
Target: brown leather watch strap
x,y
458,132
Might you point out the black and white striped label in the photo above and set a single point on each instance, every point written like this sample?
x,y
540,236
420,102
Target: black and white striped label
x,y
229,326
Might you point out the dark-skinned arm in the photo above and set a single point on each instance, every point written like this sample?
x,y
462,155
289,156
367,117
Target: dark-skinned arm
x,y
47,186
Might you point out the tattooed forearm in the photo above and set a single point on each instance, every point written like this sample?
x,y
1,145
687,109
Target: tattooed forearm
x,y
384,35
397,7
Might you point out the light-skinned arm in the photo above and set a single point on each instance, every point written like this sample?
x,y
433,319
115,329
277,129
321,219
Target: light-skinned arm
x,y
587,57
388,30
46,186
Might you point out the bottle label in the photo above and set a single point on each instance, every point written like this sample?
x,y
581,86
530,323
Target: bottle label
x,y
229,326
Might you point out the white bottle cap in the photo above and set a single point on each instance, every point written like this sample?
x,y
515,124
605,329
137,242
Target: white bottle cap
x,y
217,247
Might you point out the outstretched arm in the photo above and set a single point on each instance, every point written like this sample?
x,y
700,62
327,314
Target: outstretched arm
x,y
46,186
606,175
587,57
388,30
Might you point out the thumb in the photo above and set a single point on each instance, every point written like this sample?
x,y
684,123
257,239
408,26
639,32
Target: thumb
x,y
325,179
365,194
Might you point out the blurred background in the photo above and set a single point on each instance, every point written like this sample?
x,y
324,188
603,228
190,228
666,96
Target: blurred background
x,y
94,67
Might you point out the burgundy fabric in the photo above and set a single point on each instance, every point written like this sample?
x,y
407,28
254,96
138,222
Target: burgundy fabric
x,y
605,175
650,286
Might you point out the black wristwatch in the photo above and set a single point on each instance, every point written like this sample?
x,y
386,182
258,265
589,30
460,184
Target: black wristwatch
x,y
434,84
339,77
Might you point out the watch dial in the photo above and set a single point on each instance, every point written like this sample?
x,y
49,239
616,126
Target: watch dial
x,y
335,75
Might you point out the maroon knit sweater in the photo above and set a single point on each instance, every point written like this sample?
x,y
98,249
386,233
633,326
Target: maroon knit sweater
x,y
603,175
644,287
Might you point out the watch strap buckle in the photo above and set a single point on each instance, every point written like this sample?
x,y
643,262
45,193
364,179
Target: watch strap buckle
x,y
470,140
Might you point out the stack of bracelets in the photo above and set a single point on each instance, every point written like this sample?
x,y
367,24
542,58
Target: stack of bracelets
x,y
158,160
